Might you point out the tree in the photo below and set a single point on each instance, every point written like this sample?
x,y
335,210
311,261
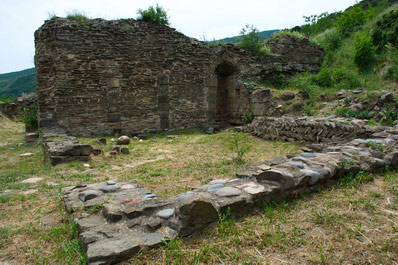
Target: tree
x,y
364,51
154,14
250,39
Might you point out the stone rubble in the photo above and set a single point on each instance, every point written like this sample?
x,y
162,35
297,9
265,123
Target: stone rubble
x,y
131,219
64,149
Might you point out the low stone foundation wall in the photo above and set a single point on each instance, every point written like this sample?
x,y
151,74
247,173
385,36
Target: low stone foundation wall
x,y
131,219
310,129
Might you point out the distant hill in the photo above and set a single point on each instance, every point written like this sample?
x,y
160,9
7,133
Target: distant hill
x,y
15,83
266,34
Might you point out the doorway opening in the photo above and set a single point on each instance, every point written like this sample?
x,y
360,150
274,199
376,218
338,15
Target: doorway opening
x,y
226,94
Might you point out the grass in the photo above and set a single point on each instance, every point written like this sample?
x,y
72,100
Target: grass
x,y
313,230
317,229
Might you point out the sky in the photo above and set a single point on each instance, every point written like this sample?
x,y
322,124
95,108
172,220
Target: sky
x,y
201,19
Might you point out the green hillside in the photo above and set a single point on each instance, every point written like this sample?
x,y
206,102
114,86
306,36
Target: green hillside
x,y
15,83
263,35
359,74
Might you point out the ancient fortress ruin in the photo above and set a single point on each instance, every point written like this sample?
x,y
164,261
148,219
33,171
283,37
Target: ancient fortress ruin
x,y
101,77
106,77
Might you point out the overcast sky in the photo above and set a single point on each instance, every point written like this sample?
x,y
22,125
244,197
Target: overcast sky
x,y
195,18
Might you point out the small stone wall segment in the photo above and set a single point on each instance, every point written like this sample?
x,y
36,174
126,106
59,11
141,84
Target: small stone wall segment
x,y
64,149
311,129
101,77
16,108
130,218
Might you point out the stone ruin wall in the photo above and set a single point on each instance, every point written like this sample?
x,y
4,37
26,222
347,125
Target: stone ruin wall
x,y
126,76
16,108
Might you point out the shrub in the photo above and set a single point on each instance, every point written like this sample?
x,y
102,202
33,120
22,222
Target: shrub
x,y
6,99
349,113
250,39
392,73
387,30
295,34
154,14
330,40
304,82
279,81
248,118
309,110
30,118
76,15
238,143
324,77
372,123
319,23
364,51
389,115
351,19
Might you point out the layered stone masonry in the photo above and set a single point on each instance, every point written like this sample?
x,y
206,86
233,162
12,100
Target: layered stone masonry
x,y
130,218
17,107
100,77
64,149
311,129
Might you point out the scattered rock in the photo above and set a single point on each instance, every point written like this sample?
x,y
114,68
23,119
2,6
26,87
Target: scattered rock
x,y
86,165
101,141
26,155
288,96
387,98
31,180
142,137
31,137
110,182
97,150
123,140
125,150
115,148
341,94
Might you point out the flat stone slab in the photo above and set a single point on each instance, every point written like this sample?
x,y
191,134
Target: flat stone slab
x,y
31,180
228,192
166,213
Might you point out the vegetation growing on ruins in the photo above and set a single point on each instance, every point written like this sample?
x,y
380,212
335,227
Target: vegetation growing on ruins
x,y
361,63
77,15
154,14
250,39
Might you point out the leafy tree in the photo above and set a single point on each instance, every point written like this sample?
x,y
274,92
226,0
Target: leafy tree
x,y
250,39
154,14
364,51
351,19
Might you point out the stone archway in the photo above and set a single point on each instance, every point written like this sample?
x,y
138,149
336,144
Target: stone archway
x,y
226,95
